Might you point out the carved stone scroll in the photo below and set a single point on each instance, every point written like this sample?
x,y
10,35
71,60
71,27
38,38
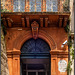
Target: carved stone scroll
x,y
4,22
46,22
9,22
35,27
60,22
27,20
23,22
65,22
41,22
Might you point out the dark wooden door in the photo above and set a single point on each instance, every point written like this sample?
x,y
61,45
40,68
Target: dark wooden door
x,y
35,57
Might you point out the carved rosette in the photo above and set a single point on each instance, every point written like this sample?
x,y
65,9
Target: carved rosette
x,y
35,27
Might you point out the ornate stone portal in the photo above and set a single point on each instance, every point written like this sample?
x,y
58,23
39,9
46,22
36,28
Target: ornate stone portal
x,y
46,26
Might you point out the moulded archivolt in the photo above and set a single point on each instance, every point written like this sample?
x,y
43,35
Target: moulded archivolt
x,y
23,37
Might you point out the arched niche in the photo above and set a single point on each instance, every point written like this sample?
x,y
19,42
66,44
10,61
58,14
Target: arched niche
x,y
35,46
35,55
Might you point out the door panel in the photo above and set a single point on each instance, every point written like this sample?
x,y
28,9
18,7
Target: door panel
x,y
35,57
31,73
41,73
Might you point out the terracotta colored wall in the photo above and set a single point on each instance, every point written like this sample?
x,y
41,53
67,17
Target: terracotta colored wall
x,y
58,35
17,36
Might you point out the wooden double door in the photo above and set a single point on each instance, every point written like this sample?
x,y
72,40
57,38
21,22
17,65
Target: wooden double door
x,y
37,72
35,67
35,57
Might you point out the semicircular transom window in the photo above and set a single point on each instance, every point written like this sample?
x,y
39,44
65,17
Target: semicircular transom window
x,y
35,46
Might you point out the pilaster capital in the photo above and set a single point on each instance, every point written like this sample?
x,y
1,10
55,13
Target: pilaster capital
x,y
9,54
58,52
16,52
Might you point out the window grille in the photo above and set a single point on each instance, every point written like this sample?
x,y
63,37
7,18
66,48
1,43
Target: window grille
x,y
38,5
51,5
32,5
19,5
35,46
35,5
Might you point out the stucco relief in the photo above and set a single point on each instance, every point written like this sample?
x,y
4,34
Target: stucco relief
x,y
10,37
62,65
49,38
18,42
11,34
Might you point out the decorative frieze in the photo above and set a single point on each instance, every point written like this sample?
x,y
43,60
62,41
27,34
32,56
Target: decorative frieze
x,y
43,19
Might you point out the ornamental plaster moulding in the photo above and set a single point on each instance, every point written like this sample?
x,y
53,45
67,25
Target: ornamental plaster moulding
x,y
35,27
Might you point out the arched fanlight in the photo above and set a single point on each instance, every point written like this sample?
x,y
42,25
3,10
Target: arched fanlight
x,y
35,46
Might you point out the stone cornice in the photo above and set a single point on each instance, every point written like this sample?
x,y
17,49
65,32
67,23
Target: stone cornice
x,y
58,52
37,13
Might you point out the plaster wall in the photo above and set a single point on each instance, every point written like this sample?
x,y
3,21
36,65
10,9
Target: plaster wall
x,y
54,36
57,34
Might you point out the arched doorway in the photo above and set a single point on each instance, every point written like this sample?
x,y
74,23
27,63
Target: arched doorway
x,y
35,57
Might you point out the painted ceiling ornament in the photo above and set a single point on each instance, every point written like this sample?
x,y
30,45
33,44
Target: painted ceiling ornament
x,y
35,27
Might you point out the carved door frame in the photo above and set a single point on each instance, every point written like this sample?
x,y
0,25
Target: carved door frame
x,y
14,55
